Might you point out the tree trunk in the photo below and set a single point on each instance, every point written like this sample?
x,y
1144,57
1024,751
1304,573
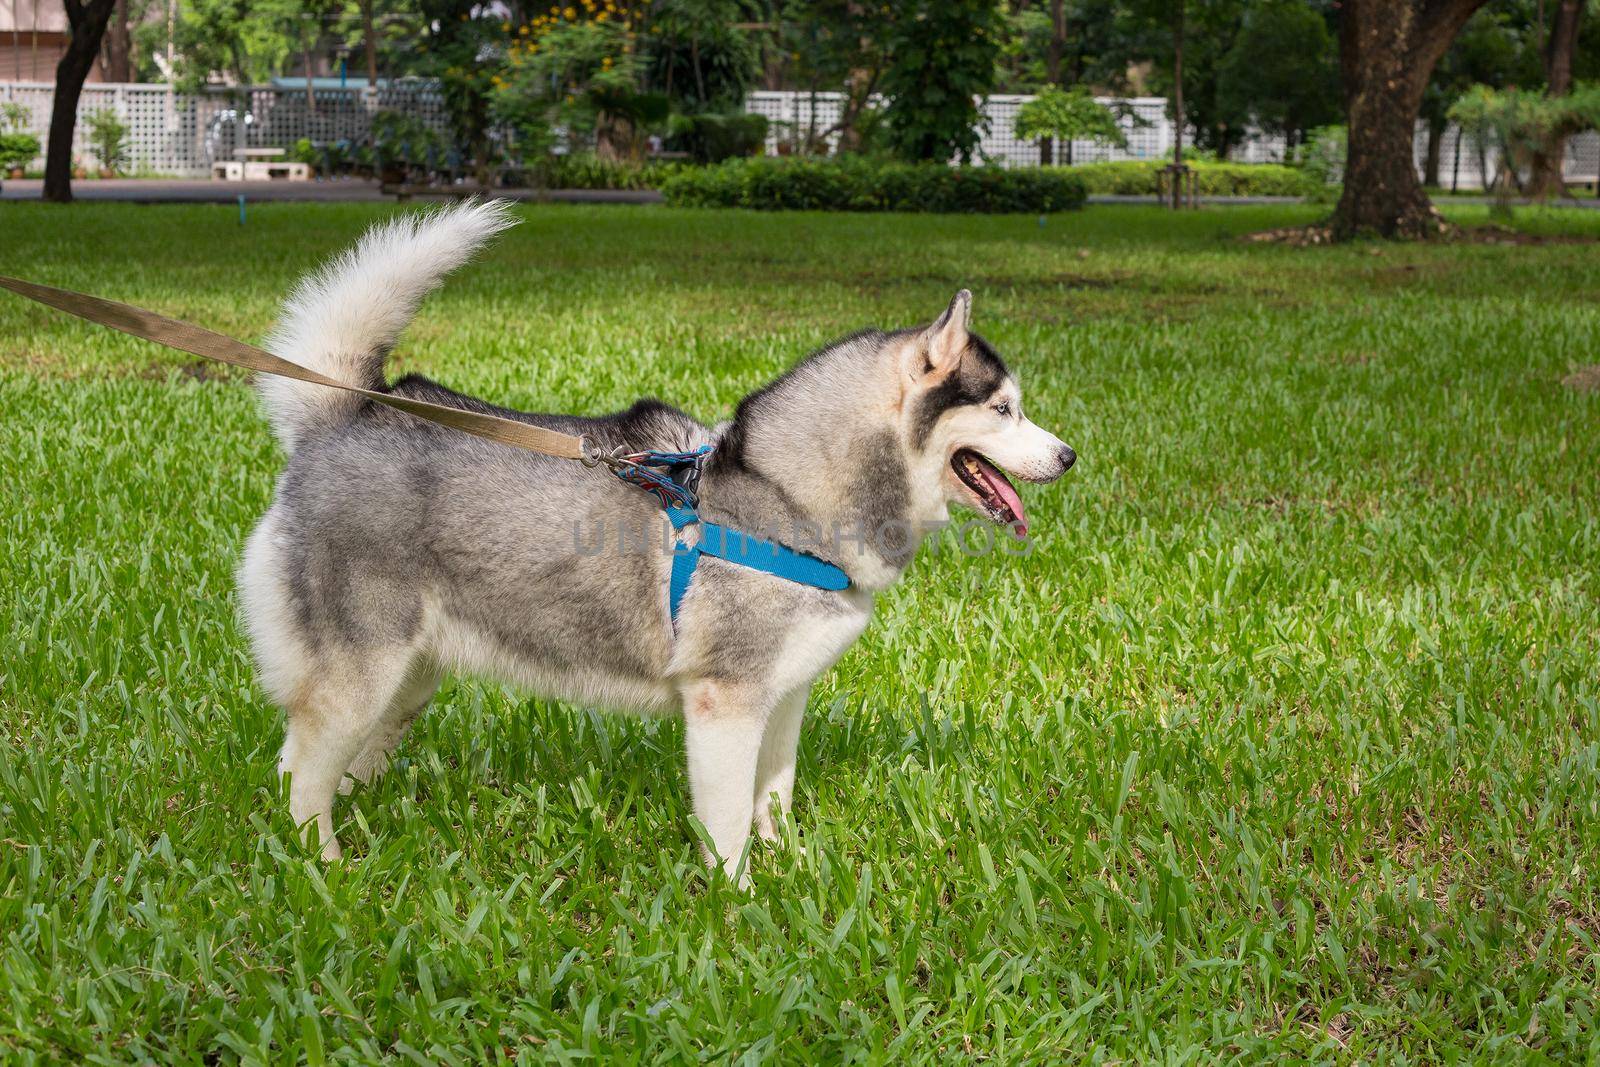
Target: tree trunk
x,y
371,37
88,24
1046,155
1430,166
1387,52
116,58
311,91
1546,164
1177,106
1058,42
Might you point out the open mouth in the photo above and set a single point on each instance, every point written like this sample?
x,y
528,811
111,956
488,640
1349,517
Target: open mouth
x,y
995,495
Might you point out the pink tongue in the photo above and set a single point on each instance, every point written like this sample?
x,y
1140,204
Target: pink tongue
x,y
998,483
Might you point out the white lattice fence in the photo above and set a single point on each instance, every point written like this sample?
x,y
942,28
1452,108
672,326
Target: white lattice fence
x,y
798,114
803,116
182,134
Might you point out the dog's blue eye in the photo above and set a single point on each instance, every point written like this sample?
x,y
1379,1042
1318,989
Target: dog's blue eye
x,y
1002,409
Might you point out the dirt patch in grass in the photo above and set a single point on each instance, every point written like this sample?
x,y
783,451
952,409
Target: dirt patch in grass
x,y
1584,379
196,371
1492,234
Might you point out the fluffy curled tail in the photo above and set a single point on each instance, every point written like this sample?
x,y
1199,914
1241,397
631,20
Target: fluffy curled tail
x,y
344,319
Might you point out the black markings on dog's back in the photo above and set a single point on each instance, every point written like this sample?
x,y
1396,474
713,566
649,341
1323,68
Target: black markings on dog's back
x,y
975,379
648,424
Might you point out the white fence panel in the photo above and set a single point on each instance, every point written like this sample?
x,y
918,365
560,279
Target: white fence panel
x,y
183,134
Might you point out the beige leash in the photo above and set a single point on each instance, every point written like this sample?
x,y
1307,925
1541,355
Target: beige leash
x,y
188,337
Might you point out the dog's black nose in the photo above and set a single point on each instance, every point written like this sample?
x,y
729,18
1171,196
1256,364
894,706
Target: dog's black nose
x,y
1068,457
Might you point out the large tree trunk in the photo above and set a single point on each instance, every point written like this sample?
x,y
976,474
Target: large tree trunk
x,y
88,23
1387,52
1546,164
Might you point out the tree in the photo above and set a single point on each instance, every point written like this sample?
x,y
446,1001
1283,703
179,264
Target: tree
x,y
1545,178
1387,52
837,45
1492,50
1067,115
700,56
1280,75
87,19
941,58
1520,123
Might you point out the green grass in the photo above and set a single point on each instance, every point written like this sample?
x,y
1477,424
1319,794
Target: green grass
x,y
1283,742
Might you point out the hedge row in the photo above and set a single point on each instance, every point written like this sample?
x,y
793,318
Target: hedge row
x,y
587,171
1135,177
856,184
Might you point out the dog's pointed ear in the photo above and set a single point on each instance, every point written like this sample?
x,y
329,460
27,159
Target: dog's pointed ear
x,y
947,338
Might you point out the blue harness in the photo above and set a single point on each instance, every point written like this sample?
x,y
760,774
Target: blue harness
x,y
673,478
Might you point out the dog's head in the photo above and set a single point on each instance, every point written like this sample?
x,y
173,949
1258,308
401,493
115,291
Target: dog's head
x,y
963,423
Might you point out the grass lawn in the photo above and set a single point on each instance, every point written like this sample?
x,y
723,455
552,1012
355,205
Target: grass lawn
x,y
1283,741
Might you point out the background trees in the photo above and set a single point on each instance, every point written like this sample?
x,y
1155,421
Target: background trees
x,y
611,75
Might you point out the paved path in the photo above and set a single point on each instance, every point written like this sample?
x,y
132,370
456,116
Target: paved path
x,y
174,191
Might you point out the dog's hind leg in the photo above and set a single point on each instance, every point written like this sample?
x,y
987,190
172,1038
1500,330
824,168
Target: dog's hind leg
x,y
404,709
331,714
775,767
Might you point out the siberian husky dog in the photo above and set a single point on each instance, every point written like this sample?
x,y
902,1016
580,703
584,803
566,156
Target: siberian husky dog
x,y
397,549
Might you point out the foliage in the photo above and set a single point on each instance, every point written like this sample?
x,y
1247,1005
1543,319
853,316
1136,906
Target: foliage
x,y
941,58
1322,159
108,136
1069,115
1139,177
581,74
17,150
401,137
1499,46
699,56
711,137
587,171
463,45
834,45
18,146
1281,74
1300,672
1517,122
862,184
14,117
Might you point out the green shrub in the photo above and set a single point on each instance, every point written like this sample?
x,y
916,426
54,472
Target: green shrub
x,y
857,184
109,136
586,171
713,137
17,150
1138,177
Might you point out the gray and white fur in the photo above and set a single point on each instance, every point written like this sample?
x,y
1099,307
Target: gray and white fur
x,y
396,550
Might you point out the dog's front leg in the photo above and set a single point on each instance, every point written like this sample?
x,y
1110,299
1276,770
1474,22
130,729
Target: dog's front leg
x,y
723,725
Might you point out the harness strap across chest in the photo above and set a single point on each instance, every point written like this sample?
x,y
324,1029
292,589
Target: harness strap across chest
x,y
673,479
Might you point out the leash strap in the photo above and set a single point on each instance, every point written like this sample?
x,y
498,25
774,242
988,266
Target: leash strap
x,y
187,337
671,477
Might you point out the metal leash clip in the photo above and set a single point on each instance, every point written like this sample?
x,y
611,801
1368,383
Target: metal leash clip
x,y
594,456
